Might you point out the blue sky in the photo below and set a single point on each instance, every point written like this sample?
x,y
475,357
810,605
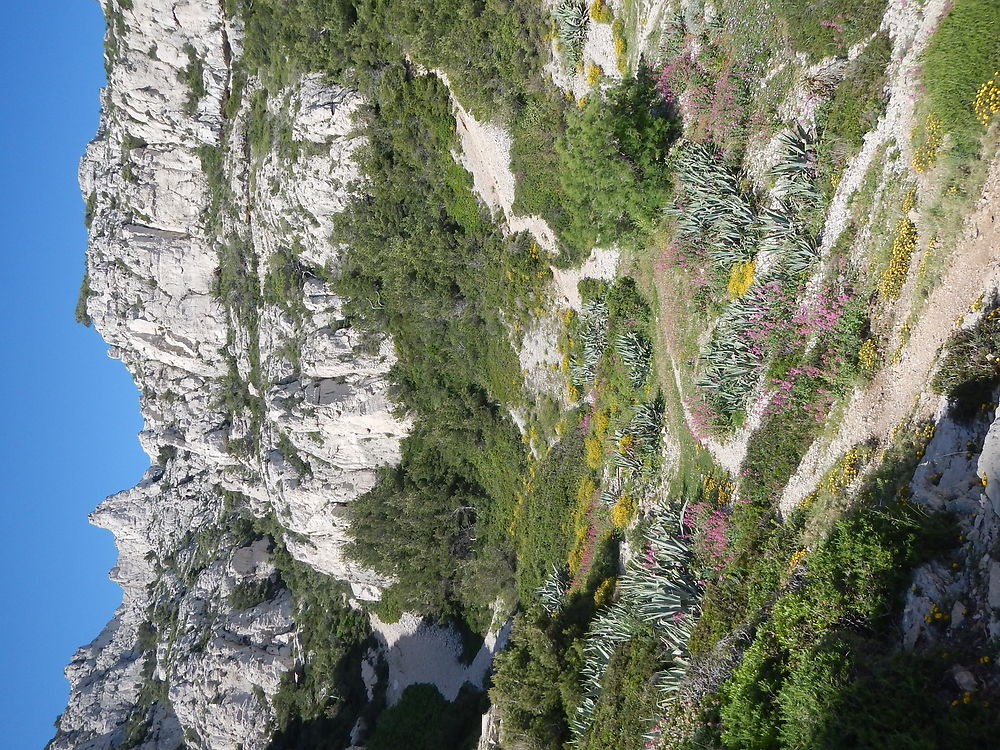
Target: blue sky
x,y
70,414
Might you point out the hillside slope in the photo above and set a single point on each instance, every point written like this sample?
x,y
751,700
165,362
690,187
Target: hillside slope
x,y
651,348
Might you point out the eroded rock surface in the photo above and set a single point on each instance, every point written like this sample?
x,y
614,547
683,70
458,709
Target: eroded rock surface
x,y
205,275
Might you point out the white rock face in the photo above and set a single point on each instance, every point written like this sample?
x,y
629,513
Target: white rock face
x,y
180,662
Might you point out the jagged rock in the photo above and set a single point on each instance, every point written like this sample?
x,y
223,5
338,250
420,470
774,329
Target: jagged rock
x,y
964,679
180,662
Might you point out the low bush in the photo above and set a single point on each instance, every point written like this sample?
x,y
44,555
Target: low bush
x,y
828,636
969,374
627,699
248,594
424,720
80,313
853,110
193,76
613,168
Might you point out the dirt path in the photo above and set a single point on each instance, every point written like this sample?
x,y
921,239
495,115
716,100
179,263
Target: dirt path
x,y
897,389
486,155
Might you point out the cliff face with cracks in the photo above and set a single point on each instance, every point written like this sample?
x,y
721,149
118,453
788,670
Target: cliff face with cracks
x,y
205,277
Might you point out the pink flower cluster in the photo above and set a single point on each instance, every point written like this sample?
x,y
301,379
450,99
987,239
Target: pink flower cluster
x,y
711,533
702,419
821,316
810,397
781,321
676,75
837,24
709,100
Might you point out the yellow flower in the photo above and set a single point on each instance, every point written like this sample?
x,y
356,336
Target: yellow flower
x,y
987,101
925,154
623,511
797,557
741,276
604,592
895,273
868,355
593,452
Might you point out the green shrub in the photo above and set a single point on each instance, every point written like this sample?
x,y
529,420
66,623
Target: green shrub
x,y
193,76
613,168
542,536
285,280
536,681
627,701
248,594
749,715
80,314
424,720
827,638
854,109
535,130
970,371
90,209
259,124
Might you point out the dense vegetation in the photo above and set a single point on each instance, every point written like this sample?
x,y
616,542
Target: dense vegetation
x,y
419,245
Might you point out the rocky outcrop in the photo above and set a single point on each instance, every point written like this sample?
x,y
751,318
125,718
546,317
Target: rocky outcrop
x,y
259,395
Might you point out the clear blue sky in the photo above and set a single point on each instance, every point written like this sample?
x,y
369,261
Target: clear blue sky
x,y
70,414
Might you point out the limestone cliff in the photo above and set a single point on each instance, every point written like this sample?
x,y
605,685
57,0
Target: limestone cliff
x,y
205,272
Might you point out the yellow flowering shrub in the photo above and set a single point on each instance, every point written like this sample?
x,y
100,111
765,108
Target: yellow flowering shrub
x,y
618,39
593,451
909,200
987,101
793,562
844,472
594,73
604,592
868,356
623,511
926,153
740,278
895,273
600,12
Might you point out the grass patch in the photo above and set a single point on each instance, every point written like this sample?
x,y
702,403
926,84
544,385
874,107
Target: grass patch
x,y
970,372
853,110
961,56
829,27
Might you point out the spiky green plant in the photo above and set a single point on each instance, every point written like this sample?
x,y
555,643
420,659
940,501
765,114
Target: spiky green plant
x,y
594,338
716,212
657,591
635,352
553,589
571,26
713,209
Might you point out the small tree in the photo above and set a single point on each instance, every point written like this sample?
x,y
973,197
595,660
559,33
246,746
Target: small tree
x,y
613,161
